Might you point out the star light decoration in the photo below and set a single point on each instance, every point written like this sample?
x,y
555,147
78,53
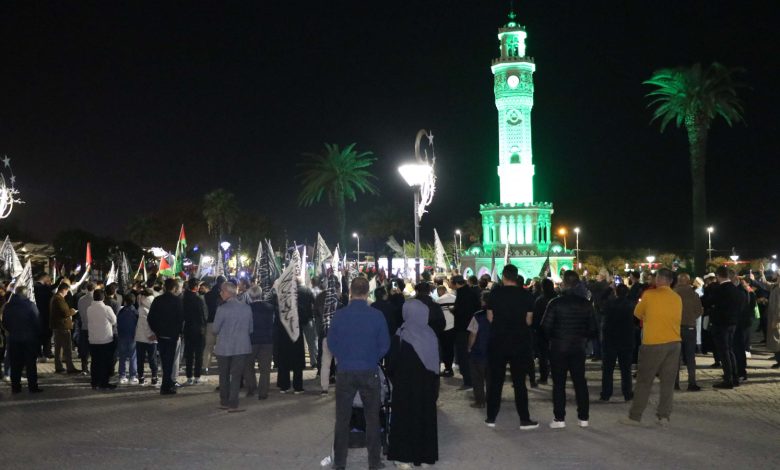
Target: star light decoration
x,y
9,195
428,188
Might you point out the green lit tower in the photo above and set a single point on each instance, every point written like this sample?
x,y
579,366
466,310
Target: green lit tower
x,y
517,224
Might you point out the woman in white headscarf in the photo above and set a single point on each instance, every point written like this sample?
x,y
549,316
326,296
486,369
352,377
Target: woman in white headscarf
x,y
415,377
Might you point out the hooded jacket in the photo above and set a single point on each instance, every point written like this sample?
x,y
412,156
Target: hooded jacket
x,y
20,320
569,320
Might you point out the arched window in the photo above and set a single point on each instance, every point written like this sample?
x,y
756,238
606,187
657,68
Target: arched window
x,y
515,158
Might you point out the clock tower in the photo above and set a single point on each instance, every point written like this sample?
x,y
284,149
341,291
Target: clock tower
x,y
513,86
517,228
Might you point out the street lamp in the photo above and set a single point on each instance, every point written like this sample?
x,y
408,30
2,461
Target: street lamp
x,y
562,232
709,241
734,256
458,246
577,246
650,260
355,235
415,175
225,246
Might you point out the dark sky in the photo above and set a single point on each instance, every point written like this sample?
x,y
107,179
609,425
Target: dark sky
x,y
113,110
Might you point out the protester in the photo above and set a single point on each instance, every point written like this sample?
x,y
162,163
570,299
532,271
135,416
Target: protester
x,y
660,311
744,328
415,376
359,339
773,317
213,300
618,321
61,325
145,340
446,301
263,314
126,325
102,321
291,355
42,290
195,316
727,302
568,323
479,336
20,321
510,312
691,311
166,320
83,304
233,327
467,303
541,346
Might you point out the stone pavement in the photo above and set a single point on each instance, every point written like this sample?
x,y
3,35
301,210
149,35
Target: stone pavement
x,y
72,426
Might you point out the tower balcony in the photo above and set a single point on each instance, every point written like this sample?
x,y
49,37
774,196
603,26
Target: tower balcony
x,y
512,60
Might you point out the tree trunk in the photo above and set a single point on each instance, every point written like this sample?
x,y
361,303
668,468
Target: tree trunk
x,y
341,221
697,143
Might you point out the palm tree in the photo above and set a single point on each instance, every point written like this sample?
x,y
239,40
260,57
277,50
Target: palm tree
x,y
220,210
693,97
143,229
338,174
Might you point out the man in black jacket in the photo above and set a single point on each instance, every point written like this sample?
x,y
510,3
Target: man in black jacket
x,y
195,315
20,320
568,323
43,293
466,304
726,302
166,319
435,315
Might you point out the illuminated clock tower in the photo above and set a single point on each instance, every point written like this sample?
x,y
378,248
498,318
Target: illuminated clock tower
x,y
517,226
513,86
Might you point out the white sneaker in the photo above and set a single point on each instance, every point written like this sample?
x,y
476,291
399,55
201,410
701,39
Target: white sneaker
x,y
134,381
123,381
490,425
403,465
555,424
6,378
583,423
190,382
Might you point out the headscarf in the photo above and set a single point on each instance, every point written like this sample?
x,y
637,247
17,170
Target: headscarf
x,y
416,332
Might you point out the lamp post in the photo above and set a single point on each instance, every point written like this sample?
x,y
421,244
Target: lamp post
x,y
355,235
709,241
415,175
734,256
650,260
562,232
458,246
577,247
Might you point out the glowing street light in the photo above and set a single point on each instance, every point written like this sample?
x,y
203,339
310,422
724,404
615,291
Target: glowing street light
x,y
709,241
356,236
650,260
419,175
734,256
562,232
225,246
458,246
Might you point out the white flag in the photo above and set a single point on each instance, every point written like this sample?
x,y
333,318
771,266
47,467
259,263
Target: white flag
x,y
111,277
321,254
287,294
438,248
11,264
26,279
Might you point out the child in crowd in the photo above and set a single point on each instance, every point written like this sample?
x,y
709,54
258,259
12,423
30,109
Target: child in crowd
x,y
479,332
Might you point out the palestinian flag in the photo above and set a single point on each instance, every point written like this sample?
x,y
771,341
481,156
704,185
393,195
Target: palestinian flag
x,y
89,254
181,250
165,268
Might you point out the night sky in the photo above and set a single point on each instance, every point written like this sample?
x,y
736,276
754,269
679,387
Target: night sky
x,y
111,111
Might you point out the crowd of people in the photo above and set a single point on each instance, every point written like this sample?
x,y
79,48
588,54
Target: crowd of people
x,y
474,328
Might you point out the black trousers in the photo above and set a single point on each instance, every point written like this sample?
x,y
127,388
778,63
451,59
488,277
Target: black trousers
x,y
283,378
167,348
624,355
688,353
102,363
22,355
45,337
447,348
462,356
193,353
741,346
573,362
542,351
518,361
146,352
84,349
724,344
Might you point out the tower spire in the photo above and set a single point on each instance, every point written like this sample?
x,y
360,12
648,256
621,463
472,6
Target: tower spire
x,y
512,15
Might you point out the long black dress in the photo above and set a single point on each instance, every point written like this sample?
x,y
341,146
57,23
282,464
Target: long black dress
x,y
414,432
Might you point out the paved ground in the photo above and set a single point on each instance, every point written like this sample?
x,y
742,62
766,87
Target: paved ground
x,y
71,426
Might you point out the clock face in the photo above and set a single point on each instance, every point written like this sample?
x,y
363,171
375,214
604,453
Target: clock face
x,y
513,81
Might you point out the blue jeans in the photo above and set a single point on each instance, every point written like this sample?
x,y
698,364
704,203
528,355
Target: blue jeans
x,y
126,352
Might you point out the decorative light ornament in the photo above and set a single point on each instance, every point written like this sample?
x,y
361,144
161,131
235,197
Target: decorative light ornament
x,y
513,81
8,194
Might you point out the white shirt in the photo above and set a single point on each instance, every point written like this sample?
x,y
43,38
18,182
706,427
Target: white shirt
x,y
142,330
446,301
102,321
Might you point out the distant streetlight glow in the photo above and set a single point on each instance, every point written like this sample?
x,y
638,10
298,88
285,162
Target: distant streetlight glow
x,y
225,246
562,232
650,259
709,241
356,236
415,174
577,248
